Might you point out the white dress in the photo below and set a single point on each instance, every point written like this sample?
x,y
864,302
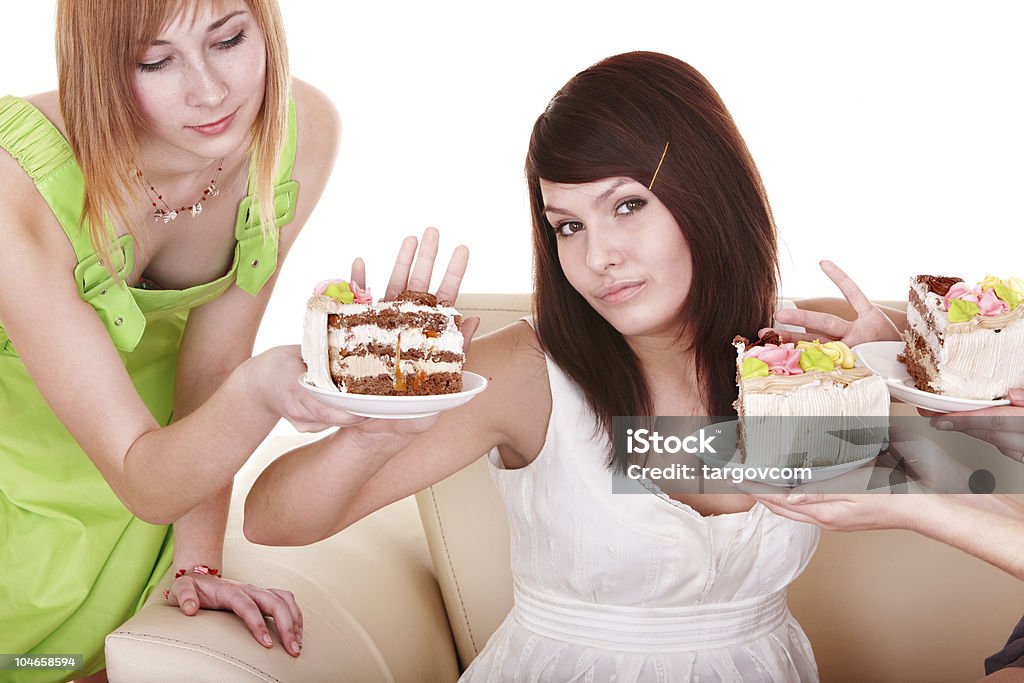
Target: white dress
x,y
623,588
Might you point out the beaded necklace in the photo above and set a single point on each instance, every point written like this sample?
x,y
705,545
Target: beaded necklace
x,y
167,214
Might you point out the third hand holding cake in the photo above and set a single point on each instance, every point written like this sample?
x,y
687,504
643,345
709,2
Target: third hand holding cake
x,y
818,316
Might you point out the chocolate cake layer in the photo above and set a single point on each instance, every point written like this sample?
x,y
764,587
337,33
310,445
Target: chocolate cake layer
x,y
391,319
416,385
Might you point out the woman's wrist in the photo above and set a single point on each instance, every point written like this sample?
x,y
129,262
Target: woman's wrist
x,y
249,379
930,514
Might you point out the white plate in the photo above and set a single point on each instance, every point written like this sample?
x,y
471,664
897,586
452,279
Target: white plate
x,y
400,407
817,473
880,358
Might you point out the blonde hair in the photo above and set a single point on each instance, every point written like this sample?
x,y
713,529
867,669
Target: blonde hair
x,y
99,44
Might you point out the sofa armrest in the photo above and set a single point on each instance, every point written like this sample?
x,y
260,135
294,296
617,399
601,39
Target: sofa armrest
x,y
372,609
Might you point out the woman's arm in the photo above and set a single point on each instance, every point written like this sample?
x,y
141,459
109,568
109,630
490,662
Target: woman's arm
x,y
318,490
990,527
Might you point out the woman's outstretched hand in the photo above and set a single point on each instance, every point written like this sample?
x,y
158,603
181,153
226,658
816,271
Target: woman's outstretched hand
x,y
195,591
414,268
871,323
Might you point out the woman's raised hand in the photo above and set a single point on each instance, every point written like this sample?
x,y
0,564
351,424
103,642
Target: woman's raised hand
x,y
414,268
870,324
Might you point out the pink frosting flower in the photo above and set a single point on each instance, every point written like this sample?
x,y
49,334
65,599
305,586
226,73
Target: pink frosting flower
x,y
961,291
781,360
990,304
361,296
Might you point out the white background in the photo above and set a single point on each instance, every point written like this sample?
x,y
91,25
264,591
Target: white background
x,y
888,134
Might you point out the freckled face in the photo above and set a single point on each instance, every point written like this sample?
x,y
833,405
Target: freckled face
x,y
623,251
200,84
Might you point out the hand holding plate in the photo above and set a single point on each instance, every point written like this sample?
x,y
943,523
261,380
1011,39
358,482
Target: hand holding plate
x,y
1003,426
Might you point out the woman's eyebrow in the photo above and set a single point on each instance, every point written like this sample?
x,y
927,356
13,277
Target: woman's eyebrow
x,y
597,200
212,27
223,20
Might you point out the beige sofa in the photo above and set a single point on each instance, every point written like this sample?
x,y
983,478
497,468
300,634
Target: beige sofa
x,y
412,592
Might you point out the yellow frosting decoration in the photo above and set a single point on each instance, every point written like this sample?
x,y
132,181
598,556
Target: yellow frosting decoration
x,y
990,281
838,352
1014,284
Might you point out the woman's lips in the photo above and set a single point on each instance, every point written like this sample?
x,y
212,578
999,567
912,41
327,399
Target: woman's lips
x,y
215,128
620,291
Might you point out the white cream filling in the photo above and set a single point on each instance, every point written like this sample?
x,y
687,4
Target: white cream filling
x,y
412,338
370,366
314,349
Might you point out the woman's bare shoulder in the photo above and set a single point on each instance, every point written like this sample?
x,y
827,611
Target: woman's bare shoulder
x,y
29,233
49,104
317,117
319,131
512,349
514,364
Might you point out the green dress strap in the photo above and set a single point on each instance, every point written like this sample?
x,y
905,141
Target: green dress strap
x,y
257,248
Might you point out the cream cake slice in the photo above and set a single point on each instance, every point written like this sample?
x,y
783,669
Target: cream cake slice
x,y
411,346
963,341
807,404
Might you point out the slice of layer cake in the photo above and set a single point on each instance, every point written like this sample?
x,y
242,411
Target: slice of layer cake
x,y
807,404
411,346
967,342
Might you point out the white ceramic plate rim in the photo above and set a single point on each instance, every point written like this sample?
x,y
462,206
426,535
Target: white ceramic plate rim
x,y
880,358
400,407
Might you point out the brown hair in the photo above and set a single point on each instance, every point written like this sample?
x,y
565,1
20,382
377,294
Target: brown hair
x,y
99,44
613,120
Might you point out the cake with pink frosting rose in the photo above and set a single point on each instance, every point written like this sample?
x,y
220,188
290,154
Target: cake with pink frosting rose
x,y
965,341
807,404
410,346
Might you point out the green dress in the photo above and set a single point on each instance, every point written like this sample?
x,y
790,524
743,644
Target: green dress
x,y
74,562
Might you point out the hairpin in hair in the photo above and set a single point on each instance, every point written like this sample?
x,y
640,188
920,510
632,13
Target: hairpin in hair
x,y
664,152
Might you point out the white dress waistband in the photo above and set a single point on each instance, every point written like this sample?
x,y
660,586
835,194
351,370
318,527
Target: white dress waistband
x,y
650,629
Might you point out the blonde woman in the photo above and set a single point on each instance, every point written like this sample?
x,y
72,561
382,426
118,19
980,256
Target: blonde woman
x,y
147,206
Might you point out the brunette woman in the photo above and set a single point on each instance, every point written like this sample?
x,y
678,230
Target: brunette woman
x,y
654,246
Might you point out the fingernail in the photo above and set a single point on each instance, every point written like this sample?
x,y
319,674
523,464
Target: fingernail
x,y
190,605
796,497
944,424
267,640
1016,396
